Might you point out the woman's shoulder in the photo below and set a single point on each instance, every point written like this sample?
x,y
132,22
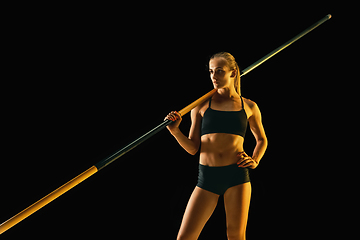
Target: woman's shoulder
x,y
250,103
251,107
201,108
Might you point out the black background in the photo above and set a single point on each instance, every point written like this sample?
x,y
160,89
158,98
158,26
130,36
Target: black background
x,y
87,80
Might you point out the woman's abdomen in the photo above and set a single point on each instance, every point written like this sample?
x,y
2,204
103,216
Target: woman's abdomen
x,y
220,149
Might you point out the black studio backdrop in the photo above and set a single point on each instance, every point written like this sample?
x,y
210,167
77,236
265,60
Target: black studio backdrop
x,y
93,86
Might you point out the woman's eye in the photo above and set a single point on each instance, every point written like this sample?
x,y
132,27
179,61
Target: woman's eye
x,y
217,71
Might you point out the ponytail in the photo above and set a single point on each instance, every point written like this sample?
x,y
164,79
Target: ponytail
x,y
237,79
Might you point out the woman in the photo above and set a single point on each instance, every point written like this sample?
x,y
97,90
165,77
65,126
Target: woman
x,y
218,126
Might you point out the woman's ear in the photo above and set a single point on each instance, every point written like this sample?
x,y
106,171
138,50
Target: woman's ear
x,y
233,73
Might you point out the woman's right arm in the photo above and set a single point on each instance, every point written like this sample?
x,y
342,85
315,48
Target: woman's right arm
x,y
192,143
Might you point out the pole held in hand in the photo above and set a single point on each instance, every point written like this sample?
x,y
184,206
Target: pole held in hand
x,y
100,165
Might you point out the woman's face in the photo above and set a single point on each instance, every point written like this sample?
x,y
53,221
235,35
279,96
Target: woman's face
x,y
220,74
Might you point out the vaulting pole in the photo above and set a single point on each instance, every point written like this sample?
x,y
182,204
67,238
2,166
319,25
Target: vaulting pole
x,y
100,165
285,45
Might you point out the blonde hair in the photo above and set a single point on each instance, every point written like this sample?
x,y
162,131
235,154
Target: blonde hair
x,y
232,64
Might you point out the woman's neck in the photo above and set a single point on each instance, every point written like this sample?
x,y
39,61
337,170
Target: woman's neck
x,y
227,93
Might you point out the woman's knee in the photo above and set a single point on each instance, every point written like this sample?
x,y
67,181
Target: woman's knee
x,y
185,237
235,234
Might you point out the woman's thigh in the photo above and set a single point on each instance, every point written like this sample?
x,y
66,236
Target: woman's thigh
x,y
237,202
201,205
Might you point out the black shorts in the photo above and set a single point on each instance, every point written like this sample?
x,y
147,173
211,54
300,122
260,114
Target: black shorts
x,y
219,179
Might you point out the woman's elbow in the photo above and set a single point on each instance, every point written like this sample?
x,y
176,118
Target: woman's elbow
x,y
193,151
264,141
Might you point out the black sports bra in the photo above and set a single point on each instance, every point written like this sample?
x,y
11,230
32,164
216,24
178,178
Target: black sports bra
x,y
232,122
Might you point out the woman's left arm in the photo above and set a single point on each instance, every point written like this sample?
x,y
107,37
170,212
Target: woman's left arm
x,y
261,141
258,131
